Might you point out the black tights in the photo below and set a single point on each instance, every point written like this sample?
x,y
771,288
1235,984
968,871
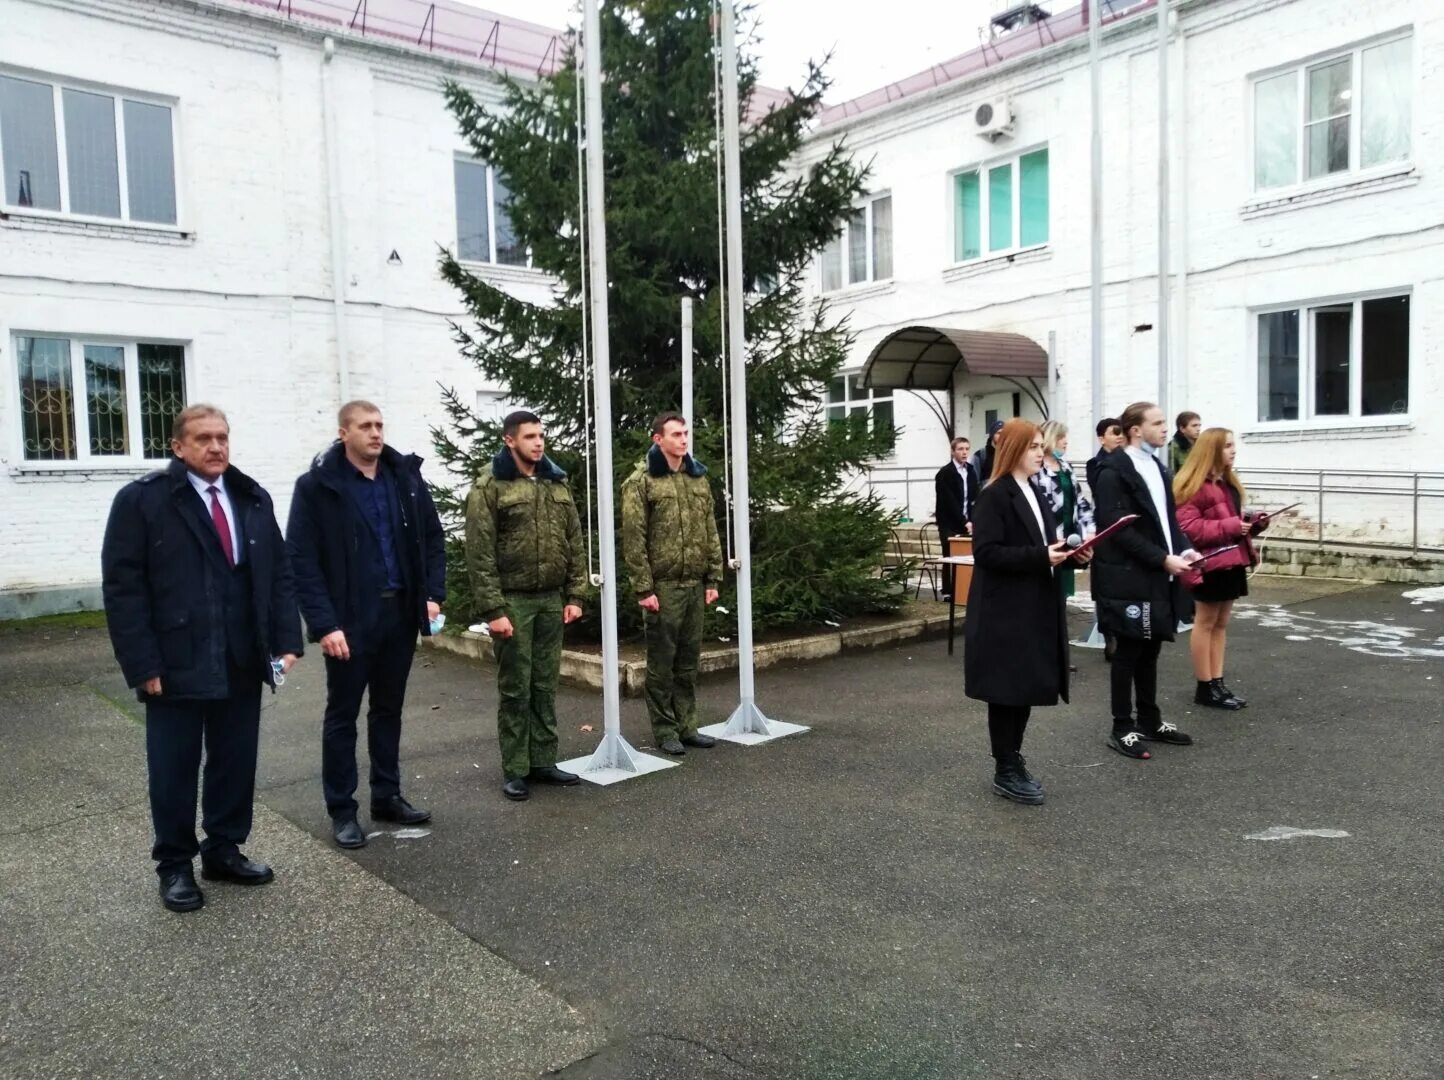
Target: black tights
x,y
1005,727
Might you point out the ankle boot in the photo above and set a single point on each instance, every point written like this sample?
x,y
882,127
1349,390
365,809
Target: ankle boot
x,y
1228,694
1012,781
1210,696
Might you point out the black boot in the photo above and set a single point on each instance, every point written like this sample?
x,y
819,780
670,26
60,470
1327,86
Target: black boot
x,y
1012,781
1210,696
1229,694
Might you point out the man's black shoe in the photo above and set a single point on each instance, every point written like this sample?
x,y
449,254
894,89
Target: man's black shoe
x,y
1129,744
1012,781
672,746
550,774
179,892
398,810
515,788
236,868
1210,696
697,739
1166,732
1227,693
348,834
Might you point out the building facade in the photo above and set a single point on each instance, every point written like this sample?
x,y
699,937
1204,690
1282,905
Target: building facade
x,y
223,204
1306,232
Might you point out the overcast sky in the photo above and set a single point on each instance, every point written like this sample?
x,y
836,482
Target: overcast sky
x,y
873,41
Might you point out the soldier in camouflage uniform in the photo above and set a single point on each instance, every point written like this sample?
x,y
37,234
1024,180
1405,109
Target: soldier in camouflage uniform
x,y
524,552
674,558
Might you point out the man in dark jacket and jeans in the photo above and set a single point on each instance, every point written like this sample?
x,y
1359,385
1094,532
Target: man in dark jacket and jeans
x,y
202,613
370,561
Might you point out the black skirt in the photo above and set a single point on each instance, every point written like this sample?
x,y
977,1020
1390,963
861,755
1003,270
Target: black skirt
x,y
1221,586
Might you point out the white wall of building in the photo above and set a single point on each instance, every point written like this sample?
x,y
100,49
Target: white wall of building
x,y
245,279
1234,251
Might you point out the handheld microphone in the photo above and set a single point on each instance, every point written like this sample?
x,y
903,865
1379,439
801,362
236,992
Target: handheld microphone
x,y
1073,542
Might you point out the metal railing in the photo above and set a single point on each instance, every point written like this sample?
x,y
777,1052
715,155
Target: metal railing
x,y
1382,510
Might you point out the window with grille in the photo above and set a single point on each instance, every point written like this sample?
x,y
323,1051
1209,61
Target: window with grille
x,y
848,401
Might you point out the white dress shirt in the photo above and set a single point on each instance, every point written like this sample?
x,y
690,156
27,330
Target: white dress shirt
x,y
1148,468
201,484
963,472
1031,494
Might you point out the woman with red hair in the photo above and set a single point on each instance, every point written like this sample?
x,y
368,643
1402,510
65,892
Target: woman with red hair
x,y
1016,630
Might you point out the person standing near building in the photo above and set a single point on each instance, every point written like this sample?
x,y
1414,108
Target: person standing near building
x,y
1071,508
370,561
673,556
1211,500
983,458
1186,429
1135,578
1016,631
956,489
528,573
1110,438
202,613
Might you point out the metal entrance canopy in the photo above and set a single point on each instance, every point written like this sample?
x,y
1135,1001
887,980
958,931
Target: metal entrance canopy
x,y
927,358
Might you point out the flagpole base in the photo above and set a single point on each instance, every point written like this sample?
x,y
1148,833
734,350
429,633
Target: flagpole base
x,y
1094,640
748,727
613,761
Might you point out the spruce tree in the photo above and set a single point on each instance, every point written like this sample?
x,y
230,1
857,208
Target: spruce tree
x,y
817,546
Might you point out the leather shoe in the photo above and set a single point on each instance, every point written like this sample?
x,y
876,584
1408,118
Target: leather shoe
x,y
550,774
672,746
236,868
698,740
398,810
1013,781
179,892
515,788
348,834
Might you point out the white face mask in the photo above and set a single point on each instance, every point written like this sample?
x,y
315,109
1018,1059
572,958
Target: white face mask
x,y
436,624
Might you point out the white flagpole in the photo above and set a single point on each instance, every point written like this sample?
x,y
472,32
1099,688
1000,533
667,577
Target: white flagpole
x,y
687,366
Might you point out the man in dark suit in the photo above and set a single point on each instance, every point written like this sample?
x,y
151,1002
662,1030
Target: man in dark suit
x,y
956,488
1110,438
370,562
202,613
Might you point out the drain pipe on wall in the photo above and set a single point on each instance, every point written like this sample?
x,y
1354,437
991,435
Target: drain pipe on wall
x,y
338,228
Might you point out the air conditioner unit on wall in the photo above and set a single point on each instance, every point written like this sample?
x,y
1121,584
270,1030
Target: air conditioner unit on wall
x,y
993,119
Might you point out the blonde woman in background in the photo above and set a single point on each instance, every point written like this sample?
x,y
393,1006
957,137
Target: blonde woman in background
x,y
1071,508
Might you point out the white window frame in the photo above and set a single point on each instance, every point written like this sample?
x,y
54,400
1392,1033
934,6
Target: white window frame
x,y
844,242
58,85
982,168
85,461
490,260
1354,418
1300,71
875,396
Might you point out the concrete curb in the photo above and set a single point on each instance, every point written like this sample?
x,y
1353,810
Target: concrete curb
x,y
584,669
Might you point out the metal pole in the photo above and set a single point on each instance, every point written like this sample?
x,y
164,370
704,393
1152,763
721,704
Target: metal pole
x,y
1095,288
747,724
687,367
1165,394
613,759
1052,375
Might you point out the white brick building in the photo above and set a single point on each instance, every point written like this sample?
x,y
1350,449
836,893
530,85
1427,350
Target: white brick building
x,y
185,183
1333,259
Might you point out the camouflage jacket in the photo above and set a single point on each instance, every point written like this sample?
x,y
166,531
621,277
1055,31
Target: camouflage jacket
x,y
669,526
522,535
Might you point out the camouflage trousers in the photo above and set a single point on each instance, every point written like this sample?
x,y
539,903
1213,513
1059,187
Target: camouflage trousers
x,y
674,647
529,665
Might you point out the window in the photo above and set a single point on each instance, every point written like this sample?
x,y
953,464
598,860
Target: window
x,y
848,398
864,246
1344,113
87,153
1341,359
98,400
1001,207
483,225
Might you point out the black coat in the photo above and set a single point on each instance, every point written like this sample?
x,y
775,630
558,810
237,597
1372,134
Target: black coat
x,y
1091,470
954,510
162,570
1135,596
1016,629
330,543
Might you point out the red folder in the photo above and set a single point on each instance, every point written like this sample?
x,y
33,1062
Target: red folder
x,y
1123,522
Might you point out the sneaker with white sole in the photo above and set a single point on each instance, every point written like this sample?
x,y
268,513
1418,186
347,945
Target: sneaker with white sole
x,y
1169,733
1129,744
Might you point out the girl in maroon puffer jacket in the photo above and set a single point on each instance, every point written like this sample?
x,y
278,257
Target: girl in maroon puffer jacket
x,y
1210,500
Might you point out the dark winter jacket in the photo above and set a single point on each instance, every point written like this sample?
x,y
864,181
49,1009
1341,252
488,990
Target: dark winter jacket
x,y
1091,470
669,524
954,508
1135,596
1178,450
1016,631
523,535
331,546
164,577
1213,519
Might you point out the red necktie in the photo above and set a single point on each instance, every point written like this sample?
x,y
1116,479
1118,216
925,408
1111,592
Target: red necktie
x,y
223,526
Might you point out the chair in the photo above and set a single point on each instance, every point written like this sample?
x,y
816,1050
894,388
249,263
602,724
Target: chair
x,y
932,565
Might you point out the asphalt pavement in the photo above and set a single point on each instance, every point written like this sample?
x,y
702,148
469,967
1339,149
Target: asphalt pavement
x,y
850,903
